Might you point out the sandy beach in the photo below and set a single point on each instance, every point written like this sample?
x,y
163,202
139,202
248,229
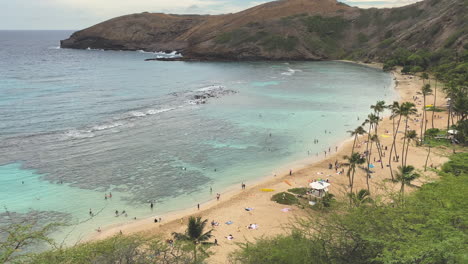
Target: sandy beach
x,y
268,215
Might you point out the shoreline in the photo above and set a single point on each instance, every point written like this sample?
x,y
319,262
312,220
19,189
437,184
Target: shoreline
x,y
267,214
281,172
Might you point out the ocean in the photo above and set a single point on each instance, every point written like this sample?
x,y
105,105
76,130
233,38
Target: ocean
x,y
76,125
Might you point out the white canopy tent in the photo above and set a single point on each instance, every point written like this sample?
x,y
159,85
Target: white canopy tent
x,y
319,188
319,185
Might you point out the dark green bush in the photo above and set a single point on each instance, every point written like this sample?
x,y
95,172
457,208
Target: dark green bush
x,y
285,198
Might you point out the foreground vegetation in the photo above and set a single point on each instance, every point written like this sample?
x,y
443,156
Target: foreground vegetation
x,y
429,227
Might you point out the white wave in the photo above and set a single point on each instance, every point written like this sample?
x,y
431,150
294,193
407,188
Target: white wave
x,y
138,114
55,48
290,72
210,88
79,134
105,126
157,111
150,112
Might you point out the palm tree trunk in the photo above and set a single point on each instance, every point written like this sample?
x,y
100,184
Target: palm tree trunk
x,y
434,105
393,146
377,143
354,143
406,154
352,180
423,119
427,158
404,141
368,155
423,135
195,253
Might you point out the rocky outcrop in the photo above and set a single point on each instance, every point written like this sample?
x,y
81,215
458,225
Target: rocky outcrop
x,y
285,30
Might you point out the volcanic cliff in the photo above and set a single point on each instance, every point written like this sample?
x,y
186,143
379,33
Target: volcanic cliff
x,y
286,30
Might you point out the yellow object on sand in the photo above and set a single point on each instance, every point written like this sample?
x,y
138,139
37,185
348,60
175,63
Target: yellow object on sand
x,y
429,105
267,190
287,182
385,136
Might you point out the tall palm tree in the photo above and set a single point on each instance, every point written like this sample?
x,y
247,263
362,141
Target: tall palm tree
x,y
195,234
450,90
438,76
372,120
424,77
375,138
405,175
410,136
407,109
378,108
356,133
352,161
425,90
396,110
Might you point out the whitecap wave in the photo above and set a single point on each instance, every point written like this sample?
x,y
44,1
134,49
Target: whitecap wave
x,y
210,88
105,126
150,112
290,72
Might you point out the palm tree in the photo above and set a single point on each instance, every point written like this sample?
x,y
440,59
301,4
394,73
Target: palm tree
x,y
438,76
372,120
424,77
352,161
361,197
375,138
356,132
378,108
194,234
450,89
405,175
425,90
410,136
407,109
396,110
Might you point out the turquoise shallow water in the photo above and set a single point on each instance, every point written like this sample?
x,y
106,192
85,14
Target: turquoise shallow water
x,y
77,124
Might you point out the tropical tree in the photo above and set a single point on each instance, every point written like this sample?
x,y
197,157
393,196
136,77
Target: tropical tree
x,y
450,90
352,161
356,133
405,175
195,234
438,76
425,90
409,136
372,120
378,108
361,197
396,112
424,77
407,109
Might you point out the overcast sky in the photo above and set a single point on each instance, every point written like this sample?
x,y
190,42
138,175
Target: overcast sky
x,y
78,14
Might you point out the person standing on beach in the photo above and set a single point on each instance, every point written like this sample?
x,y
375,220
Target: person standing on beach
x,y
290,172
151,205
198,206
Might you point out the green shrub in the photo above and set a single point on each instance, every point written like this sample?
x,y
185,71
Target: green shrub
x,y
325,26
457,165
285,198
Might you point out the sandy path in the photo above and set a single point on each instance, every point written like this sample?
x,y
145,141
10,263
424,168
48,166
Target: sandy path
x,y
267,214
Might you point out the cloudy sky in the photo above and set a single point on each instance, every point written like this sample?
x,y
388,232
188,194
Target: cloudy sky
x,y
77,14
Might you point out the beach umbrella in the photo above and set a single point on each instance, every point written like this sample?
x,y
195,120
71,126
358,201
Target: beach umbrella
x,y
371,166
